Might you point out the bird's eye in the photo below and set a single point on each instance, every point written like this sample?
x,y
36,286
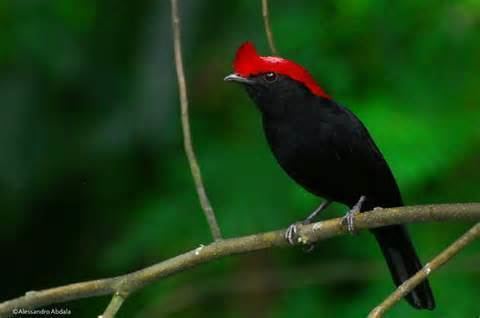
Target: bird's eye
x,y
270,77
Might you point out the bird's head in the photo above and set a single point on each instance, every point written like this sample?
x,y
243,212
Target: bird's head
x,y
272,80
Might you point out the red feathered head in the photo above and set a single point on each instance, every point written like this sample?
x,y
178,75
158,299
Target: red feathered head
x,y
248,63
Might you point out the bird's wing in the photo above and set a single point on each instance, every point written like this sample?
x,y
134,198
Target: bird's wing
x,y
366,162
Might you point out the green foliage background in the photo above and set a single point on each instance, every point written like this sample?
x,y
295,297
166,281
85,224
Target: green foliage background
x,y
94,182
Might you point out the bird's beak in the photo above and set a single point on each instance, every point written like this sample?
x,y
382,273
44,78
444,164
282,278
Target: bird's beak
x,y
237,78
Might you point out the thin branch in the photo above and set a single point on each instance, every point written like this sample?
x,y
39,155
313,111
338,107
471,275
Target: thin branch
x,y
130,283
187,137
272,279
268,29
120,295
114,306
421,275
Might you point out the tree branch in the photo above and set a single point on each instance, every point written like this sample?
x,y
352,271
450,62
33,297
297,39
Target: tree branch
x,y
421,275
114,306
119,297
268,29
132,282
187,138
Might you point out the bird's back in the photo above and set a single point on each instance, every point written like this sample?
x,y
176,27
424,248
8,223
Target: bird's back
x,y
328,151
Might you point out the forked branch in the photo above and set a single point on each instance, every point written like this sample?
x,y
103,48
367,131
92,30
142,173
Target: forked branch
x,y
436,263
132,282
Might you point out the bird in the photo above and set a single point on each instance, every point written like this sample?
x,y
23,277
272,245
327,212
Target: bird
x,y
328,151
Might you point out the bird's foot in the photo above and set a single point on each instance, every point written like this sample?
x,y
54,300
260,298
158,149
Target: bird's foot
x,y
349,219
293,237
292,233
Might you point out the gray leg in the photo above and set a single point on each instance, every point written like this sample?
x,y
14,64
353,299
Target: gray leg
x,y
320,208
348,219
291,234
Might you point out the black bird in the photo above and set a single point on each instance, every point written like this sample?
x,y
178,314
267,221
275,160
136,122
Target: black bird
x,y
327,150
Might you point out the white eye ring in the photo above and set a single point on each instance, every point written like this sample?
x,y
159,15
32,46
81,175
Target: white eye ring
x,y
270,77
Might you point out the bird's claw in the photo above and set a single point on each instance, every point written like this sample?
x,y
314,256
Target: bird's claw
x,y
309,247
291,234
349,219
293,238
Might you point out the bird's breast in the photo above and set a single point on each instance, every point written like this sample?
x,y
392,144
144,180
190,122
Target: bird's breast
x,y
303,152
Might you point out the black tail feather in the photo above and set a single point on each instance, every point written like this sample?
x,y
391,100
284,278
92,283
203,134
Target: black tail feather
x,y
403,263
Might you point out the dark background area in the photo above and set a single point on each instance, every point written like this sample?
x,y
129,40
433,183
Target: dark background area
x,y
94,181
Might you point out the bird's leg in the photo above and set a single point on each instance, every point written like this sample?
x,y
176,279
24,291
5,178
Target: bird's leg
x,y
291,234
348,219
317,211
